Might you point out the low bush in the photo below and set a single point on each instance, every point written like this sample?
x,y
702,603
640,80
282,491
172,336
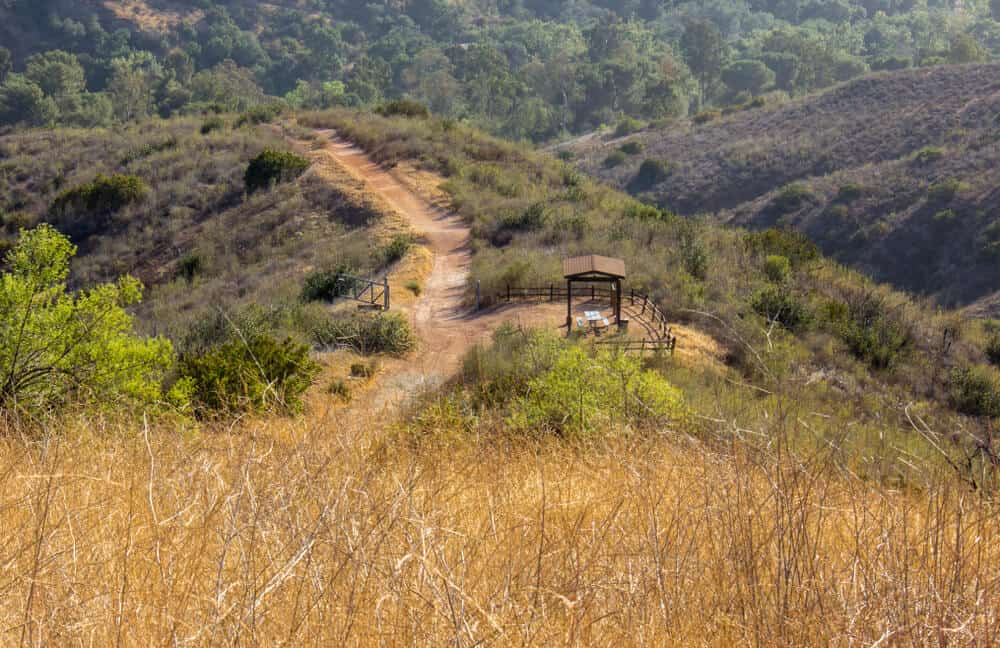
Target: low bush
x,y
414,287
791,198
261,114
943,192
366,334
404,108
975,390
212,124
787,242
873,332
651,173
325,285
707,116
777,268
928,154
190,266
849,192
993,348
104,195
339,388
628,126
779,305
633,147
253,373
363,370
273,167
615,158
396,249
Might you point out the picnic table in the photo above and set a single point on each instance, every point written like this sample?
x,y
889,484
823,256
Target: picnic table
x,y
596,320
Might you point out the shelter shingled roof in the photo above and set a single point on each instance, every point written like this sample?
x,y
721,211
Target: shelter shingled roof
x,y
594,264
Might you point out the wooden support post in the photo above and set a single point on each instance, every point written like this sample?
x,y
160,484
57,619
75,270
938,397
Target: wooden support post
x,y
569,306
479,288
385,284
508,292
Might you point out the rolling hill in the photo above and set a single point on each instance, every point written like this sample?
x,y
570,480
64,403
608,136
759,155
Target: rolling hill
x,y
895,174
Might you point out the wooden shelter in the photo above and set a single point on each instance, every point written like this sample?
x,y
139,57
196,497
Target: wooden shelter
x,y
594,269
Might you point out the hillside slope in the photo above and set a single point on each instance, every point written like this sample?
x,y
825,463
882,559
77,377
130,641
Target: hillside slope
x,y
895,174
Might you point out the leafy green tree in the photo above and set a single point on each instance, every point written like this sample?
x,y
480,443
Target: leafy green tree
x,y
23,102
57,346
56,72
965,49
704,51
747,76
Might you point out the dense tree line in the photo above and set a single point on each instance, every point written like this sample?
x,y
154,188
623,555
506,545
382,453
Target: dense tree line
x,y
533,69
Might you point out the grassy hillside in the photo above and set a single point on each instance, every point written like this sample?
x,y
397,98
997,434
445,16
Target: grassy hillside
x,y
809,330
894,174
197,239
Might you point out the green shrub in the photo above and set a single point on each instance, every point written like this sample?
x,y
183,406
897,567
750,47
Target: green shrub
x,y
628,126
779,305
694,254
975,391
256,373
326,285
777,268
786,241
566,155
615,158
791,198
583,395
758,102
149,149
396,249
272,167
212,124
339,388
850,192
706,116
993,348
871,330
104,195
943,192
414,287
928,154
363,370
633,147
945,216
260,114
366,334
190,266
651,173
404,108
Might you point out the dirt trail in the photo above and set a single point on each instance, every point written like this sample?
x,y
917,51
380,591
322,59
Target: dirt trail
x,y
445,327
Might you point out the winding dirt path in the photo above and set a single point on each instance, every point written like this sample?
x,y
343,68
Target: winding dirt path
x,y
444,325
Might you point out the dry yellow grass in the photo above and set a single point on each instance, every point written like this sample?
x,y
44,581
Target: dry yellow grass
x,y
318,532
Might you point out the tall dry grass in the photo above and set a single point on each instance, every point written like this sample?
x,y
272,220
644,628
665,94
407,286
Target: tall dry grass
x,y
319,533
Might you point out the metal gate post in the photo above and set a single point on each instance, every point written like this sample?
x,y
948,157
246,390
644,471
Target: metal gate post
x,y
385,284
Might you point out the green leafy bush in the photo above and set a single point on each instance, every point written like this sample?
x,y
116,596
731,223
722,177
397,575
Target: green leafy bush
x,y
777,304
583,395
190,266
366,334
993,348
777,268
707,116
104,195
849,192
928,154
628,126
260,114
404,108
212,124
943,192
414,287
339,388
615,158
326,285
975,391
651,173
396,249
787,242
272,167
363,370
792,197
872,331
253,373
57,346
633,147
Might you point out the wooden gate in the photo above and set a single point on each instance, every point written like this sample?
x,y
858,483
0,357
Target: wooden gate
x,y
371,292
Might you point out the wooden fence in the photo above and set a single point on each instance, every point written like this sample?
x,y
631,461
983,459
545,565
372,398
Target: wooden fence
x,y
649,312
